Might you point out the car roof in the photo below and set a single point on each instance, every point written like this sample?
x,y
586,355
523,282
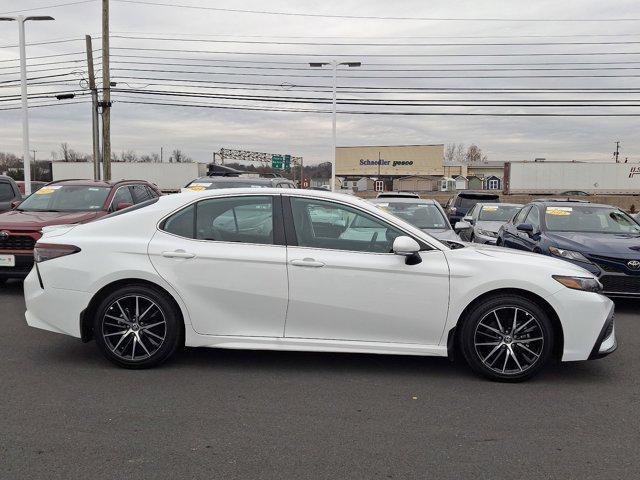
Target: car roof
x,y
477,195
569,203
429,201
491,204
259,180
94,183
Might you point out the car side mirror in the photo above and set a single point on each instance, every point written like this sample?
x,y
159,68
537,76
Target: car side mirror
x,y
526,228
123,205
15,203
469,219
407,247
461,225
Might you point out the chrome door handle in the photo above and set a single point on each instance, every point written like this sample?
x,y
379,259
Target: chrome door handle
x,y
307,262
178,254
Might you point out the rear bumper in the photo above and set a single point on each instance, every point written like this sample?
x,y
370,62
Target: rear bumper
x,y
24,264
54,309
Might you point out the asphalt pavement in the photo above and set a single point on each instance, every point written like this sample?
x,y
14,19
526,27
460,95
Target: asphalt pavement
x,y
66,413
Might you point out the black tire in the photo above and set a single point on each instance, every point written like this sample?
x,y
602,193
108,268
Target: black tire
x,y
142,332
523,352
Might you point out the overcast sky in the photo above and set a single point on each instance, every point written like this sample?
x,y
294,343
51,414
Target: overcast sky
x,y
200,131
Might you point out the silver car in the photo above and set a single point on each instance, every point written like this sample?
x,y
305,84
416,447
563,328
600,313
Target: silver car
x,y
482,223
425,214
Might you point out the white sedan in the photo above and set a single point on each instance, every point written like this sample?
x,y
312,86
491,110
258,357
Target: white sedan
x,y
273,269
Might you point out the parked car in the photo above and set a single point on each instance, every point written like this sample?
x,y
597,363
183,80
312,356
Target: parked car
x,y
61,203
599,238
212,183
460,204
35,185
186,275
9,193
425,214
482,223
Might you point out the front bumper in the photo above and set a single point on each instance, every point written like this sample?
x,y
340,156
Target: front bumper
x,y
607,342
484,239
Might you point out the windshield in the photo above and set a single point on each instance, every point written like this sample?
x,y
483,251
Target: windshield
x,y
589,220
66,198
468,202
420,215
204,185
497,213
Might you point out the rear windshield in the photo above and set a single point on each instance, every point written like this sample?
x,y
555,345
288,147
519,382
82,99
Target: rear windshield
x,y
469,201
66,198
498,213
421,215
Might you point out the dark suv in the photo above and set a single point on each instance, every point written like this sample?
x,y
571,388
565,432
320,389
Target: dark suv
x,y
458,205
61,203
9,193
600,238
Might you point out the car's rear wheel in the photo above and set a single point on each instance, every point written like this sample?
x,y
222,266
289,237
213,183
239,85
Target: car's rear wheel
x,y
507,338
137,327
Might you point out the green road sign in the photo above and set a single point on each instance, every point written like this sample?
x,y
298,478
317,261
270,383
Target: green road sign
x,y
287,163
276,161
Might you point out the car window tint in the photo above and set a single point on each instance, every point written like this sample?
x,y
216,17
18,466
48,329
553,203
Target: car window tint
x,y
181,223
321,224
140,193
238,219
123,195
534,218
6,192
519,218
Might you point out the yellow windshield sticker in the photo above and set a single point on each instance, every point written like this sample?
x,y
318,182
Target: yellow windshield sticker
x,y
490,209
197,189
562,211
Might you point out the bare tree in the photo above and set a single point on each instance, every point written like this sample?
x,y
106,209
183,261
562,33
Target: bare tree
x,y
178,156
454,153
128,156
474,155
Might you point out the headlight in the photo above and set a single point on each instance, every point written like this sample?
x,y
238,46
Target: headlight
x,y
587,284
487,233
568,254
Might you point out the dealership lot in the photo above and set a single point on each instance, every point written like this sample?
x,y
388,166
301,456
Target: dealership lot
x,y
68,413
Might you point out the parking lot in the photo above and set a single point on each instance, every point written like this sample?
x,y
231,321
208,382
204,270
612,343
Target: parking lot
x,y
68,413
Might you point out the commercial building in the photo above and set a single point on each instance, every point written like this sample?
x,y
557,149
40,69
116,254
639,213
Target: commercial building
x,y
399,167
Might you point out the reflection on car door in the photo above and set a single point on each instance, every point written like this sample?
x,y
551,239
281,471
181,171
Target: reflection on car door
x,y
227,259
513,238
345,284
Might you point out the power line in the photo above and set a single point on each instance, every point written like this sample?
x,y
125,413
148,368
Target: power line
x,y
42,56
49,42
371,44
373,17
58,104
46,7
374,55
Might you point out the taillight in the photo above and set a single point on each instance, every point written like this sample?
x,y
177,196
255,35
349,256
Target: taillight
x,y
47,251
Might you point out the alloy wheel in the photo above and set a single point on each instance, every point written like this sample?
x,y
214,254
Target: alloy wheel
x,y
509,340
134,327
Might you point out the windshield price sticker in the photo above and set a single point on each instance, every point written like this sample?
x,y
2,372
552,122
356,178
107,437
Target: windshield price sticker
x,y
198,187
490,209
48,190
559,210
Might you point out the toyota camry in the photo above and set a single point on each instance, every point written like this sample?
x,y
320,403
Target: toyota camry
x,y
281,269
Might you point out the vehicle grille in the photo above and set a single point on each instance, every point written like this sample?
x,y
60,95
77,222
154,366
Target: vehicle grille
x,y
611,264
17,242
620,283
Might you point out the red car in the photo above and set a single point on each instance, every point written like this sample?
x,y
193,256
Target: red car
x,y
61,203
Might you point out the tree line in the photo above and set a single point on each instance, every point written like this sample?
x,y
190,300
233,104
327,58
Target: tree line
x,y
458,154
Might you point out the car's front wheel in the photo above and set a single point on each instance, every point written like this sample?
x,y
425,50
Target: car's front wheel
x,y
507,338
137,327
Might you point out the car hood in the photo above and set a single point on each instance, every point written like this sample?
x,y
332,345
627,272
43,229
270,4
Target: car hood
x,y
597,243
442,234
17,219
490,226
521,259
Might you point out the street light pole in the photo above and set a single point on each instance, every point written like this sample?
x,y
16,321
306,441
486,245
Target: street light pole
x,y
23,87
334,64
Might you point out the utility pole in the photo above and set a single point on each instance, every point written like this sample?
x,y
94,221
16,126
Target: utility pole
x,y
616,154
161,152
106,94
94,109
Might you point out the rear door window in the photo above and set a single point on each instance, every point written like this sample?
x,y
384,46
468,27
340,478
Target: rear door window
x,y
6,192
123,195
